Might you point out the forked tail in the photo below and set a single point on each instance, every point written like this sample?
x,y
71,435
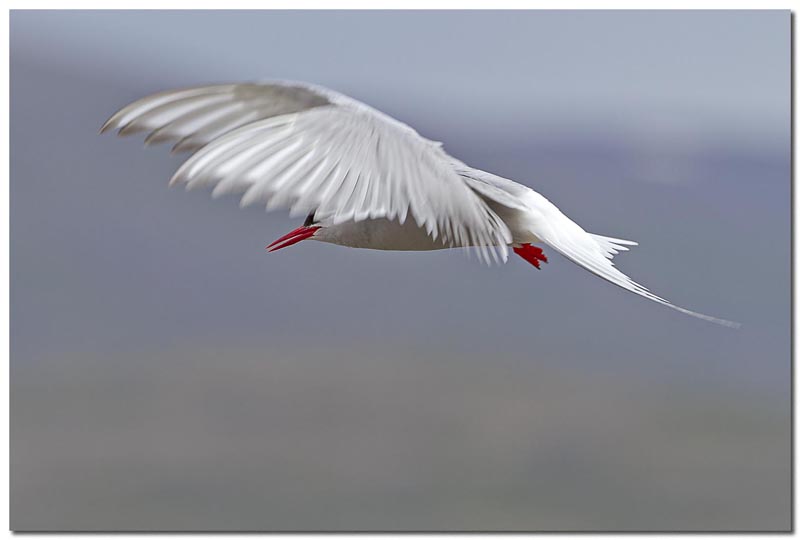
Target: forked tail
x,y
595,253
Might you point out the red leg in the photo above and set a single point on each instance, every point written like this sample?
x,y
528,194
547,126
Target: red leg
x,y
532,254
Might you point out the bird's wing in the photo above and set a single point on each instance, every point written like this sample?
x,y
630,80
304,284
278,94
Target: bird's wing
x,y
494,188
312,150
196,116
592,252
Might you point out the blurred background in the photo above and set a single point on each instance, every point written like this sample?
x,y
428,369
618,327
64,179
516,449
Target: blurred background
x,y
170,374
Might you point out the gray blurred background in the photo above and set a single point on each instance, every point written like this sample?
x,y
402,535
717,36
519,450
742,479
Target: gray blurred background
x,y
168,373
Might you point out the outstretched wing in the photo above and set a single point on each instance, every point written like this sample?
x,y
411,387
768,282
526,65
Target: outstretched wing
x,y
310,149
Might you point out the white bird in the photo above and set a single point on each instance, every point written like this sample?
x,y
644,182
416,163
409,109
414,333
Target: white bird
x,y
364,179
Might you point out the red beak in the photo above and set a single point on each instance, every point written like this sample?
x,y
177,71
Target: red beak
x,y
300,233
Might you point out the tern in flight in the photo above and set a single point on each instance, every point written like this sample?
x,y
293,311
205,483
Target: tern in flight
x,y
362,178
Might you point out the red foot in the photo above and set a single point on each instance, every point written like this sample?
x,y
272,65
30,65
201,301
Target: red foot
x,y
532,254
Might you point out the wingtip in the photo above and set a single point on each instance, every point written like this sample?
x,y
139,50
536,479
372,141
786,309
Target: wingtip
x,y
175,180
106,125
111,123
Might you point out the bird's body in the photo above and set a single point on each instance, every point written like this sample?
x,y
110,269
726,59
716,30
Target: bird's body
x,y
378,233
391,235
362,178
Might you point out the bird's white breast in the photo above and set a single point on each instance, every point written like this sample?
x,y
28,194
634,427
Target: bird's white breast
x,y
379,234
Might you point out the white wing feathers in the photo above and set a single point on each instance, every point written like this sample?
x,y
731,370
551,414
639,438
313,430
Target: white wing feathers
x,y
311,150
196,116
594,253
